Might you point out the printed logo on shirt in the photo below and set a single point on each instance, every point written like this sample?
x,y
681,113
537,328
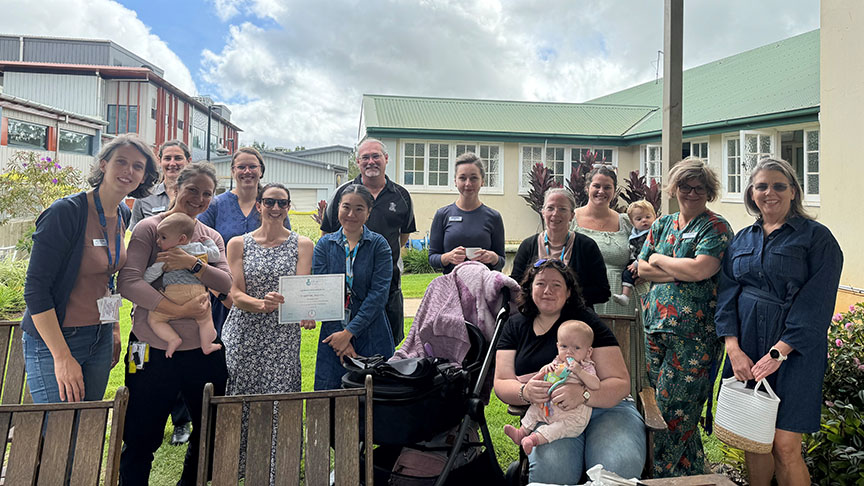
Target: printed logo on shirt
x,y
393,206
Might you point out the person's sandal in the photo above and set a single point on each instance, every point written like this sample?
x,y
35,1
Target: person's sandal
x,y
181,433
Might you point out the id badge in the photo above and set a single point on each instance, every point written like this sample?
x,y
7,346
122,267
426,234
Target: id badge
x,y
347,318
109,308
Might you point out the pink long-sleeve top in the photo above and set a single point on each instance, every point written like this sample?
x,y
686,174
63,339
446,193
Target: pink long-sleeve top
x,y
140,254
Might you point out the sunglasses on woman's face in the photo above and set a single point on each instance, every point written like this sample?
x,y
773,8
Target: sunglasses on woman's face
x,y
776,187
269,202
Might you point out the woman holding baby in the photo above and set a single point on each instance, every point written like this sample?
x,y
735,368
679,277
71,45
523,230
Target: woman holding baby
x,y
153,379
467,229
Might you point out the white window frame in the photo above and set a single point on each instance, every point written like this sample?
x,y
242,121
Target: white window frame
x,y
568,160
750,159
450,186
815,197
732,196
700,141
498,187
650,168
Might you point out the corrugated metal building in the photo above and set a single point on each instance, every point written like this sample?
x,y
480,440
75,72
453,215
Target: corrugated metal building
x,y
311,175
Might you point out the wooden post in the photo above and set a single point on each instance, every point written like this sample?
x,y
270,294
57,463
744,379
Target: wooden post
x,y
673,36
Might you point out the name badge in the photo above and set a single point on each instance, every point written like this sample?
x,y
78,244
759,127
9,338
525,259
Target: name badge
x,y
99,242
687,236
157,209
456,219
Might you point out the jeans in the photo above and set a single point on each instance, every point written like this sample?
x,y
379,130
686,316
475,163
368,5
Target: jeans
x,y
615,437
91,346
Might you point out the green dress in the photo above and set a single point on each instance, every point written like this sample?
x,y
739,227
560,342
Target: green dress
x,y
615,248
680,342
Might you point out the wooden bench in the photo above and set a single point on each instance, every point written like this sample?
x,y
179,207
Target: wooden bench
x,y
12,383
221,419
49,436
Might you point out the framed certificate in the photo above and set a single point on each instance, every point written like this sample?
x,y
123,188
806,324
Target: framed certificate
x,y
314,297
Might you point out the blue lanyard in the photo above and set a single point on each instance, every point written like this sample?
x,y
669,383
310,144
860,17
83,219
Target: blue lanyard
x,y
563,249
112,264
349,262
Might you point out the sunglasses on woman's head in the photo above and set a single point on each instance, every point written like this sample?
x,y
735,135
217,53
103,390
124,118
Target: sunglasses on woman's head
x,y
269,202
552,261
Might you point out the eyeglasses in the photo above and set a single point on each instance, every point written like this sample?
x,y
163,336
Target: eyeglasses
x,y
374,157
687,189
776,187
550,262
269,202
243,168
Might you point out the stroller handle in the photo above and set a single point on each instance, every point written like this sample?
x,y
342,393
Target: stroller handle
x,y
489,361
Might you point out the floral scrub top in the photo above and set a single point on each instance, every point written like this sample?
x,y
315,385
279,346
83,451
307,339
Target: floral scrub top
x,y
684,308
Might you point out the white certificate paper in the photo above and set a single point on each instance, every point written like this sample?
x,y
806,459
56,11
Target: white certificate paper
x,y
315,297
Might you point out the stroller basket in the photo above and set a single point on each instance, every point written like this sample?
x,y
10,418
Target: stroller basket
x,y
413,408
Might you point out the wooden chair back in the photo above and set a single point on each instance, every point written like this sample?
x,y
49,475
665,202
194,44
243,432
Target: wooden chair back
x,y
12,383
54,442
630,335
221,418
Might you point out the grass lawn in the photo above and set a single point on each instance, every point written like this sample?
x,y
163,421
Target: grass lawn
x,y
414,284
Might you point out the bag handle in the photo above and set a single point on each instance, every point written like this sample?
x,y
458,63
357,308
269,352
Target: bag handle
x,y
761,383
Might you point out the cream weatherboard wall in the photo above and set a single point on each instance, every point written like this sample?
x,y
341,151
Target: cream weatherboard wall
x,y
842,105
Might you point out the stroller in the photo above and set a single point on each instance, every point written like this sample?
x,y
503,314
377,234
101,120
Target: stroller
x,y
428,400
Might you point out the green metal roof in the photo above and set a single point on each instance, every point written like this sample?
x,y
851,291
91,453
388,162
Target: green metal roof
x,y
774,84
776,78
490,116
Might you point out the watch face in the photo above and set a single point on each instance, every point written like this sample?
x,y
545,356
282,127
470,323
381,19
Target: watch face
x,y
586,394
774,354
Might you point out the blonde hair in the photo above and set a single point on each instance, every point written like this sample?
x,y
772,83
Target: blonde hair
x,y
693,168
642,205
580,328
177,223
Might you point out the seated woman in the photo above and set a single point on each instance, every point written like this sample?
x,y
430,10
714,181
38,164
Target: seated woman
x,y
615,436
364,257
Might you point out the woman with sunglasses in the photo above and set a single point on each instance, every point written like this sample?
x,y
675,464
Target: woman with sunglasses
x,y
615,436
233,212
777,290
262,355
363,256
681,257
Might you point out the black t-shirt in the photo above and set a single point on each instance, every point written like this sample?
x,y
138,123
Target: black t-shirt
x,y
534,352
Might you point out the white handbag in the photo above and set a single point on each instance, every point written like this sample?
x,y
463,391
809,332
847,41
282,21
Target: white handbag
x,y
746,418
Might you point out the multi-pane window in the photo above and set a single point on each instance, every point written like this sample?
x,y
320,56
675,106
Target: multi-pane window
x,y
555,162
122,119
414,163
653,164
756,147
429,164
811,171
80,143
198,136
28,134
439,161
699,149
559,159
531,154
733,166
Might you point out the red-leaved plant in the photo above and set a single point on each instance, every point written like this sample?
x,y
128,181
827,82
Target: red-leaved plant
x,y
540,180
635,189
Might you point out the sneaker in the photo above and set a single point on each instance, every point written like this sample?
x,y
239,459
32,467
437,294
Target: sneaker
x,y
621,299
181,433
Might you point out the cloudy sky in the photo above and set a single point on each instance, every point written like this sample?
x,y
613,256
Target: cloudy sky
x,y
293,71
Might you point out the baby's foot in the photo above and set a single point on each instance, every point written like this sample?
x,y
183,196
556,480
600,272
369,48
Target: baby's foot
x,y
529,443
172,346
516,435
208,348
621,299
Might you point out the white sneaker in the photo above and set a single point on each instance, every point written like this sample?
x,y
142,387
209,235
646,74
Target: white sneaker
x,y
621,299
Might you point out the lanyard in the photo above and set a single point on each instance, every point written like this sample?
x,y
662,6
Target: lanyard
x,y
546,244
349,263
112,264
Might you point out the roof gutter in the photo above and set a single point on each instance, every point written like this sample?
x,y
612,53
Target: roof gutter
x,y
493,135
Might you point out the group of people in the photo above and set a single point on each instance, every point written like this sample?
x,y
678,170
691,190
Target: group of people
x,y
200,266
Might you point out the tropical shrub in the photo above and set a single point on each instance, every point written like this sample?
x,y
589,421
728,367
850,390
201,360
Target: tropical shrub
x,y
540,180
636,189
29,184
417,261
835,454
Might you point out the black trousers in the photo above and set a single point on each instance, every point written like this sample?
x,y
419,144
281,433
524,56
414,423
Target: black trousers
x,y
396,314
152,394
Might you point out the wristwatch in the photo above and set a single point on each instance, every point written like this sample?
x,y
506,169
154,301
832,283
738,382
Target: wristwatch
x,y
777,355
198,266
586,395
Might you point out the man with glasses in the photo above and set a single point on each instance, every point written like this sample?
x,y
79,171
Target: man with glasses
x,y
392,217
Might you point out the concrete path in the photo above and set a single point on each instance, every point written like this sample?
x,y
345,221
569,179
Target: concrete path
x,y
410,307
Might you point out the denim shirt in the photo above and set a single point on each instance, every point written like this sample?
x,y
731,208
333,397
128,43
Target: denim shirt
x,y
782,286
373,270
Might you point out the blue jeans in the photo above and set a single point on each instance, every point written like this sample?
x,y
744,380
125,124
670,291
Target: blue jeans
x,y
615,437
91,346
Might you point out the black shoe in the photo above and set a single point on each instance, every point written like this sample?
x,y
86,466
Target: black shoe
x,y
181,433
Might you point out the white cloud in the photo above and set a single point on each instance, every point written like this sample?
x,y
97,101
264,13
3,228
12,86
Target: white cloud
x,y
96,19
301,82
